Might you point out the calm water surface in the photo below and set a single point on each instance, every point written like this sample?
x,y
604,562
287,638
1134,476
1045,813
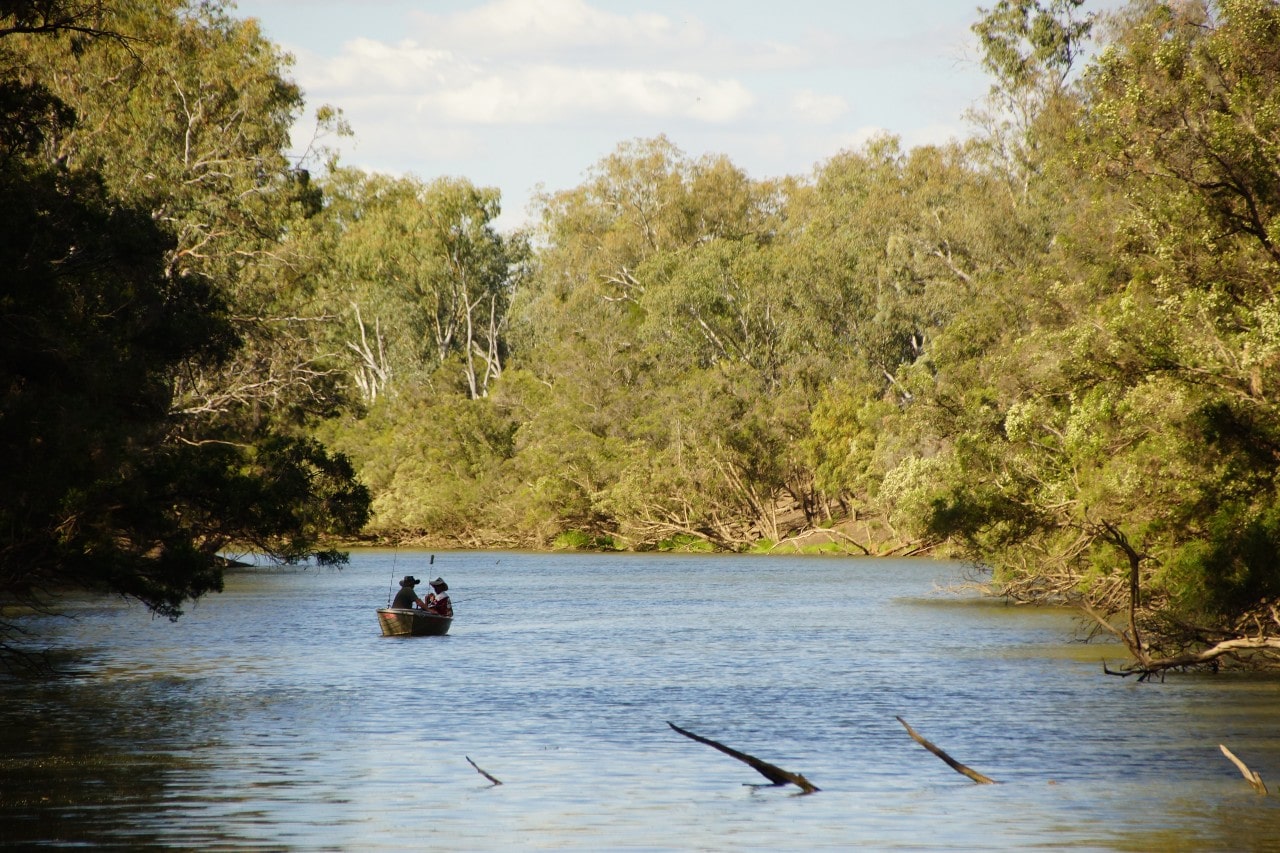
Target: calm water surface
x,y
275,717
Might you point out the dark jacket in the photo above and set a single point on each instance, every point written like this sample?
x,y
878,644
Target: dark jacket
x,y
405,598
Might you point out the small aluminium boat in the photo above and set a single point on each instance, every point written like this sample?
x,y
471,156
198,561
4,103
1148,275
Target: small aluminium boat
x,y
401,622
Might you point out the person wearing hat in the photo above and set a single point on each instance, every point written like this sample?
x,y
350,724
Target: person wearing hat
x,y
438,600
407,597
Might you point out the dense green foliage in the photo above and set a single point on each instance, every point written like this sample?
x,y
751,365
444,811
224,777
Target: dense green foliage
x,y
1130,456
1132,463
141,186
1051,348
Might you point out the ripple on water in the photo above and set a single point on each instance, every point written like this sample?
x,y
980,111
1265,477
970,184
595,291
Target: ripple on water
x,y
274,716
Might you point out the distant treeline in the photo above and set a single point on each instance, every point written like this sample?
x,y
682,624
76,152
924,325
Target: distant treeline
x,y
1052,348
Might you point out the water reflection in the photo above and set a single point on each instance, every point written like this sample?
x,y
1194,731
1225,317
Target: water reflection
x,y
81,759
257,722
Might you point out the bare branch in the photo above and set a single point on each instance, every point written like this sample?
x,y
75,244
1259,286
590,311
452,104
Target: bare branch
x,y
1251,777
492,779
772,772
950,762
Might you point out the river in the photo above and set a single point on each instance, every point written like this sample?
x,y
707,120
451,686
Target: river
x,y
274,716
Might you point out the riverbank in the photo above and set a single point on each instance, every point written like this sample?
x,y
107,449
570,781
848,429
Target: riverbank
x,y
852,537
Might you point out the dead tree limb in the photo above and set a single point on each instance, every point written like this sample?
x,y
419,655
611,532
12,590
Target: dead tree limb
x,y
1135,557
815,531
772,772
951,762
1224,648
1249,776
492,779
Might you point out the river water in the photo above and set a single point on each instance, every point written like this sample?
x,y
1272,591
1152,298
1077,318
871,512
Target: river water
x,y
275,717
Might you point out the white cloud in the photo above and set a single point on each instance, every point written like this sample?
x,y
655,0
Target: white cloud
x,y
514,62
368,67
556,93
817,108
512,93
535,27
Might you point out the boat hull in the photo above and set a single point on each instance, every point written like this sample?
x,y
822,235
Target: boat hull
x,y
396,622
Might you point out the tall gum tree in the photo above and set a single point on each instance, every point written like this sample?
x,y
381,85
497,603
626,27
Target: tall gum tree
x,y
109,313
424,275
892,253
1133,467
636,298
423,285
189,116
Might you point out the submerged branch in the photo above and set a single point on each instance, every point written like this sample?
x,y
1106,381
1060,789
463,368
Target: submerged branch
x,y
951,762
772,772
492,779
1249,776
1207,655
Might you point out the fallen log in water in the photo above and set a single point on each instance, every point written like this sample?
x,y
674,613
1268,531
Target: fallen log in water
x,y
1249,776
951,762
492,779
772,772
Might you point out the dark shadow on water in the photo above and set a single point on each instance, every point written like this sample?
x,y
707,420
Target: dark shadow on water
x,y
88,762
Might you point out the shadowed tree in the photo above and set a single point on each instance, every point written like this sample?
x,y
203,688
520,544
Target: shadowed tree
x,y
107,485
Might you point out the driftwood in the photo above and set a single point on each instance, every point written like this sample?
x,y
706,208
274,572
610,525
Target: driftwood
x,y
492,779
1253,634
1249,776
1146,667
1217,650
816,531
772,772
951,762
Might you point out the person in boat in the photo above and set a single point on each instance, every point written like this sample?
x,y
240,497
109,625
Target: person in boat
x,y
438,599
407,597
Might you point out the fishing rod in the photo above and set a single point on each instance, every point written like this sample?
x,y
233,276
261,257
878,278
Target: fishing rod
x,y
391,586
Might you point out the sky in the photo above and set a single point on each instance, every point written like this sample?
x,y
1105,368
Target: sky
x,y
527,95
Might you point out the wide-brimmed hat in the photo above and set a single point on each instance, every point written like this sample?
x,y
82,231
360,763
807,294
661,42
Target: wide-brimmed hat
x,y
439,584
410,580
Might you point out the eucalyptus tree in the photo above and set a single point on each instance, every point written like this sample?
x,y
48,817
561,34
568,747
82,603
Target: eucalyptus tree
x,y
634,294
424,276
1032,50
188,115
891,254
1132,466
422,283
94,332
112,302
645,200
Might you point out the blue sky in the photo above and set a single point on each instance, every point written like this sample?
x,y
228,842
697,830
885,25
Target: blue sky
x,y
522,94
